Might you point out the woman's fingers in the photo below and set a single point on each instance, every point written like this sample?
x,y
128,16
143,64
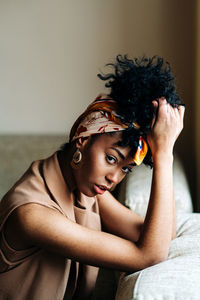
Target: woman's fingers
x,y
167,124
167,111
155,107
160,109
181,110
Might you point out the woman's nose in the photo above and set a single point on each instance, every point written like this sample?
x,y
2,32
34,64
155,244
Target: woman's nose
x,y
114,177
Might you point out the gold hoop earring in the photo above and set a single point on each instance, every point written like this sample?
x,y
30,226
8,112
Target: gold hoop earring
x,y
77,157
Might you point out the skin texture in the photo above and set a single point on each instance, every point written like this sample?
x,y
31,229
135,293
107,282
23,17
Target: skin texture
x,y
130,242
102,162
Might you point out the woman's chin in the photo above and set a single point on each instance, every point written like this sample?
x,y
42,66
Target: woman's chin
x,y
88,192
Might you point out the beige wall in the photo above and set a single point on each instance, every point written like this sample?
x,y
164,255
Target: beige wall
x,y
51,52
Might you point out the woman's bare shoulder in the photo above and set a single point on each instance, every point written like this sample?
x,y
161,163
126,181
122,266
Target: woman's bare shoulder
x,y
22,218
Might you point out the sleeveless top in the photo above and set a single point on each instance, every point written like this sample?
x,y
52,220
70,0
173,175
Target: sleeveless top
x,y
34,273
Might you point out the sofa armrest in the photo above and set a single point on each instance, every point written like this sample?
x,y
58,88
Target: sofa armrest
x,y
177,277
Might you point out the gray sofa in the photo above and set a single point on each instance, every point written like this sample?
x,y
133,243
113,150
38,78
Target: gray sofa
x,y
178,277
18,151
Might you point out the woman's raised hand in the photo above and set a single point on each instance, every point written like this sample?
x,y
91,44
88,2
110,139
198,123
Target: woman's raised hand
x,y
166,127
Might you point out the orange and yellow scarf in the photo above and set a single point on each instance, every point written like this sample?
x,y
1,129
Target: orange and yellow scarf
x,y
100,117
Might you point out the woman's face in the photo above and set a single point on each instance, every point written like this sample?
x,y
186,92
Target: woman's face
x,y
104,164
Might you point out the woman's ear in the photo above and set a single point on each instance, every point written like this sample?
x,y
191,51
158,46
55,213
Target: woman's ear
x,y
81,142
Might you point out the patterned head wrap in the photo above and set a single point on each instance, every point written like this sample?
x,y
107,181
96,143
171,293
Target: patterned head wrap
x,y
100,117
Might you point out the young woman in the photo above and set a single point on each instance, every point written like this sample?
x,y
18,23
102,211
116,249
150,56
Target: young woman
x,y
50,221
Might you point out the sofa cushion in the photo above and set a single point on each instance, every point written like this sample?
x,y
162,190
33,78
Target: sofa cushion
x,y
174,279
17,152
135,189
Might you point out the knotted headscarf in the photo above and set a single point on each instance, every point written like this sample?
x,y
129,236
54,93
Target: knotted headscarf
x,y
101,116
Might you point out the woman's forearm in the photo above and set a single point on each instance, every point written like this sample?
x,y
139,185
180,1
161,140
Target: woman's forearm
x,y
159,225
159,222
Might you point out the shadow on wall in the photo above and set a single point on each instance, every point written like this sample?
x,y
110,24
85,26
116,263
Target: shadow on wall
x,y
168,29
180,32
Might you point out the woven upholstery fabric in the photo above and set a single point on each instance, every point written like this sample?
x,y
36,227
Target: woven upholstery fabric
x,y
175,279
17,152
135,189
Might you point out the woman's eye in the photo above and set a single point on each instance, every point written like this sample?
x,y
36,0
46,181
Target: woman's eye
x,y
126,170
111,159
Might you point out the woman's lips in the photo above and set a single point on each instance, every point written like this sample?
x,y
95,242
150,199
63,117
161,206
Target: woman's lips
x,y
99,190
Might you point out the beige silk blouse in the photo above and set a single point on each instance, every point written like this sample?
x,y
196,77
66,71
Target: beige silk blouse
x,y
36,274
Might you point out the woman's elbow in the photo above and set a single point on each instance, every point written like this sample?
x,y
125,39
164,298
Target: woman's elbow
x,y
156,259
153,258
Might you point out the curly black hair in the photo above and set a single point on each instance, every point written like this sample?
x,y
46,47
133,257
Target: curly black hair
x,y
134,84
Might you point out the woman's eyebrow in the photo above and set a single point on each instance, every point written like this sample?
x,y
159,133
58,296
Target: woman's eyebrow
x,y
119,153
122,156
